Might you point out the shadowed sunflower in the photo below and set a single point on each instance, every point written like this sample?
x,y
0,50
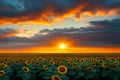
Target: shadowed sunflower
x,y
93,64
45,67
27,62
113,66
69,63
26,69
3,65
2,72
37,63
89,69
62,63
62,69
55,77
52,62
116,62
16,62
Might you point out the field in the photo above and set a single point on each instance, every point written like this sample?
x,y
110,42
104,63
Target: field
x,y
59,67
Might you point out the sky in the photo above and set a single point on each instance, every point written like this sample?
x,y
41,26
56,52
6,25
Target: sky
x,y
40,26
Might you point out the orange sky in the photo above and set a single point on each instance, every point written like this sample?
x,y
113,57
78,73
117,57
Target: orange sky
x,y
35,26
67,50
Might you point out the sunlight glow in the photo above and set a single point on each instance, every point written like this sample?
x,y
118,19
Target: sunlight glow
x,y
62,46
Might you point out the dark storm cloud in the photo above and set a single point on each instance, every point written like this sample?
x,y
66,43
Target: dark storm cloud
x,y
46,10
93,35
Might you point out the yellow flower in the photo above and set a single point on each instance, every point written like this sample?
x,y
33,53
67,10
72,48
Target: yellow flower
x,y
93,64
37,63
57,62
116,62
2,72
26,69
27,62
89,69
75,64
69,63
55,77
3,65
62,69
61,63
113,66
16,62
52,62
45,67
82,60
101,61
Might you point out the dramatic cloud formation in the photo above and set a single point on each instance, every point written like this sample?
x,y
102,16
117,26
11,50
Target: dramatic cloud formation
x,y
100,33
42,11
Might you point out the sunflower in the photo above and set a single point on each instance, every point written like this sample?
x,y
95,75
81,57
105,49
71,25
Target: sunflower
x,y
82,60
62,63
69,63
8,63
3,65
97,58
45,67
101,61
113,66
103,64
89,69
62,69
55,77
26,69
2,72
52,62
37,63
93,64
116,62
75,64
57,62
27,62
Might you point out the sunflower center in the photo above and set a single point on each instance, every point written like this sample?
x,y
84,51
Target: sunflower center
x,y
62,69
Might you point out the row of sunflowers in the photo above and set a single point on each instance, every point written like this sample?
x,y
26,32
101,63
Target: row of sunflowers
x,y
59,68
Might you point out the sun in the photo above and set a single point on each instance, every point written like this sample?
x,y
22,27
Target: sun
x,y
62,46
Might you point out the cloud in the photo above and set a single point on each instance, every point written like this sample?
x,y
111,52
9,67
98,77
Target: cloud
x,y
106,23
47,11
8,32
94,35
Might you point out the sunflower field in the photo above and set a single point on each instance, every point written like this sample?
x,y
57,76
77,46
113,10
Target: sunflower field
x,y
59,68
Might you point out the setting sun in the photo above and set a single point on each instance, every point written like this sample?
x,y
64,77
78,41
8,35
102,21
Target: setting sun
x,y
62,46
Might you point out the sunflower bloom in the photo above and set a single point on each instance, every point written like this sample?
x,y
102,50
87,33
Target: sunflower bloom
x,y
3,65
45,67
52,62
37,63
116,62
2,72
27,62
62,69
89,69
55,77
26,69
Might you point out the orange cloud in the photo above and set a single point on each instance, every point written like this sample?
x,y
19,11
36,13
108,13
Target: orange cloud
x,y
7,35
52,12
8,32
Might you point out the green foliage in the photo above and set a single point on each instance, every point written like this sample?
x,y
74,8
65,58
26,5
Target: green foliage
x,y
87,68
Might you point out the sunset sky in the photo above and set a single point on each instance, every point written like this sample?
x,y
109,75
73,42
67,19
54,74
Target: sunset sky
x,y
40,26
